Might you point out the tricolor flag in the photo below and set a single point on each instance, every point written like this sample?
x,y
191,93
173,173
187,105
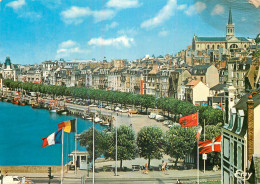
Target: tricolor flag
x,y
54,138
209,146
199,132
190,120
68,126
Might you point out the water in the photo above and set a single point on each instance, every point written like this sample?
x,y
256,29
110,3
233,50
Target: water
x,y
21,130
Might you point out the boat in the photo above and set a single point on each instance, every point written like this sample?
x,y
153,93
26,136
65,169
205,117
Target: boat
x,y
22,103
54,110
64,112
89,118
97,120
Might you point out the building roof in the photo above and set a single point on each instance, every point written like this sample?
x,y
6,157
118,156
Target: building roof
x,y
230,17
210,39
255,168
193,83
199,69
217,39
242,103
218,87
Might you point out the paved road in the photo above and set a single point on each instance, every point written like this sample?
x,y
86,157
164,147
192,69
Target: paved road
x,y
171,180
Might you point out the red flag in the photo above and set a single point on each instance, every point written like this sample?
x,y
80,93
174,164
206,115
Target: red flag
x,y
190,120
199,132
209,146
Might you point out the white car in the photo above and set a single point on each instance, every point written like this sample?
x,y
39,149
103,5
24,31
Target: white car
x,y
10,180
117,109
124,110
93,105
152,115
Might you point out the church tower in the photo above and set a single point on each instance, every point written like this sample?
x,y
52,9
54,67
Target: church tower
x,y
230,32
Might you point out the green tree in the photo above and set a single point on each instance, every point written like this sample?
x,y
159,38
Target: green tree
x,y
150,143
86,140
126,144
179,142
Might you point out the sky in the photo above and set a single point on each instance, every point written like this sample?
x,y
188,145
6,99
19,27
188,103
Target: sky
x,y
32,31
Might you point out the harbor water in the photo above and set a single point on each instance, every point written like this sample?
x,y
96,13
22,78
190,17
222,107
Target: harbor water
x,y
21,130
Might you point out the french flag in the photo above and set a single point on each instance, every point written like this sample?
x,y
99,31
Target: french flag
x,y
54,138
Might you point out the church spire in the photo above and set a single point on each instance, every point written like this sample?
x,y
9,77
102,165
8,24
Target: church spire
x,y
230,17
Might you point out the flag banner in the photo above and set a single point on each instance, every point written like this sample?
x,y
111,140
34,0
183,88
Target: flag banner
x,y
68,126
54,138
190,120
199,132
209,146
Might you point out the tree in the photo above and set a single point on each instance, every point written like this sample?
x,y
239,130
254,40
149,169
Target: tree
x,y
150,143
86,140
179,142
126,144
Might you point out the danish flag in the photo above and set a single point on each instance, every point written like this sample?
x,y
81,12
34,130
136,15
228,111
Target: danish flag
x,y
209,146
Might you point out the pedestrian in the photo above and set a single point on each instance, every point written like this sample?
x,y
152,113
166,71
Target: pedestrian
x,y
6,173
146,168
166,169
163,166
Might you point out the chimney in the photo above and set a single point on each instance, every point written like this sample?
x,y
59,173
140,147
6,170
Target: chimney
x,y
250,130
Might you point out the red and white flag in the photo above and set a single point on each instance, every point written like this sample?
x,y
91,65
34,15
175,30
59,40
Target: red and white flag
x,y
209,146
199,132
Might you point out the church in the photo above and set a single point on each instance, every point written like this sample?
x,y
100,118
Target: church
x,y
230,42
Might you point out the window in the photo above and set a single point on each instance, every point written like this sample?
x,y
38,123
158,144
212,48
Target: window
x,y
213,47
218,46
239,157
240,120
208,46
231,152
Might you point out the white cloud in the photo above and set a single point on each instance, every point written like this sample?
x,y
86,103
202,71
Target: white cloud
x,y
164,14
68,44
218,10
16,4
163,33
68,48
123,4
128,31
111,26
119,41
182,7
103,15
76,15
198,7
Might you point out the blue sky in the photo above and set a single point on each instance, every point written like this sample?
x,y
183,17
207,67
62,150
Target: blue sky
x,y
38,30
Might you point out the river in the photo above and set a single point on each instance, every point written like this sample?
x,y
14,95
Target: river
x,y
21,130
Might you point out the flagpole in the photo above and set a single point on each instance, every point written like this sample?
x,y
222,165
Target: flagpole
x,y
62,142
198,169
204,140
93,179
116,150
76,147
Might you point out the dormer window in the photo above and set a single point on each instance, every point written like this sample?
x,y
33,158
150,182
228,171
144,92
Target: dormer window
x,y
232,118
240,121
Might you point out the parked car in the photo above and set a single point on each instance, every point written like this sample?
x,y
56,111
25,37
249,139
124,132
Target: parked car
x,y
103,106
174,125
93,105
117,109
159,118
124,110
152,115
11,180
108,107
133,111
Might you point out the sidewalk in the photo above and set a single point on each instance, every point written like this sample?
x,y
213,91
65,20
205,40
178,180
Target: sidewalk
x,y
128,175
